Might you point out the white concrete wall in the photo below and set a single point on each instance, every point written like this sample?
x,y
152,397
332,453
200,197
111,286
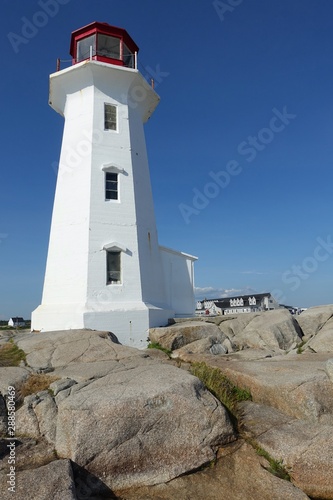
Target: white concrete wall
x,y
66,274
179,280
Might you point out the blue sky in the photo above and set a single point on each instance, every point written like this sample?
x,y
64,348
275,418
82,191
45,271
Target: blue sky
x,y
240,147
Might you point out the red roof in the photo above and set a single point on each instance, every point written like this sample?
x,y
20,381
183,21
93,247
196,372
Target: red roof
x,y
105,29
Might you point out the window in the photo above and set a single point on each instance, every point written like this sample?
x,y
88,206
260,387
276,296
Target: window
x,y
113,268
110,117
108,46
111,186
83,48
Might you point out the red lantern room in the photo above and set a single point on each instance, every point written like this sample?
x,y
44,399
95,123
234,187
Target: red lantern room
x,y
105,43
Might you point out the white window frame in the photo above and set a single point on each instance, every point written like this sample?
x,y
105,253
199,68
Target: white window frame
x,y
115,272
115,182
114,247
112,169
110,129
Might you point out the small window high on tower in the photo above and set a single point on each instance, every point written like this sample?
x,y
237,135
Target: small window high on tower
x,y
110,117
111,186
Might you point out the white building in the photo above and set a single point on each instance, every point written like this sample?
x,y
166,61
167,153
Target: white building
x,y
16,321
236,305
105,269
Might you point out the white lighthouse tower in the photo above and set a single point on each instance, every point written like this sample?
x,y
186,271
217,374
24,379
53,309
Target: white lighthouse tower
x,y
105,269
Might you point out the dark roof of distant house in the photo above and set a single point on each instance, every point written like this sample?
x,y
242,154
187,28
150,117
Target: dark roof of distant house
x,y
17,319
226,300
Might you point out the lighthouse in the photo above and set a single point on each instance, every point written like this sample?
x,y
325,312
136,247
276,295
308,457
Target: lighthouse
x,y
105,268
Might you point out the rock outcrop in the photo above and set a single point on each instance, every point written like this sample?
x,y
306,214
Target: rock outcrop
x,y
12,376
297,385
239,474
141,426
315,319
38,416
275,331
178,335
317,326
117,422
135,421
54,480
271,330
303,450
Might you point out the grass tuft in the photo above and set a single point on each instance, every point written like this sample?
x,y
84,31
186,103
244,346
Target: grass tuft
x,y
11,355
230,395
156,345
300,349
219,385
276,467
36,383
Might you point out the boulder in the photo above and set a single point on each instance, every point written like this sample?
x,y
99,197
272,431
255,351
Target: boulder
x,y
218,349
29,453
12,376
297,384
124,415
314,319
211,344
234,325
54,480
176,336
37,416
270,330
322,341
239,474
304,451
50,350
228,345
317,326
277,331
142,425
61,385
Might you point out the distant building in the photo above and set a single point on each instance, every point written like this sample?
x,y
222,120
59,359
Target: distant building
x,y
293,310
236,305
16,321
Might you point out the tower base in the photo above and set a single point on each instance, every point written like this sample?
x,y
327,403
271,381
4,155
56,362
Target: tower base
x,y
130,322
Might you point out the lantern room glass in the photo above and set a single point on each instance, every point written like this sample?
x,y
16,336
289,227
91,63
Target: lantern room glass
x,y
128,57
107,46
83,48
